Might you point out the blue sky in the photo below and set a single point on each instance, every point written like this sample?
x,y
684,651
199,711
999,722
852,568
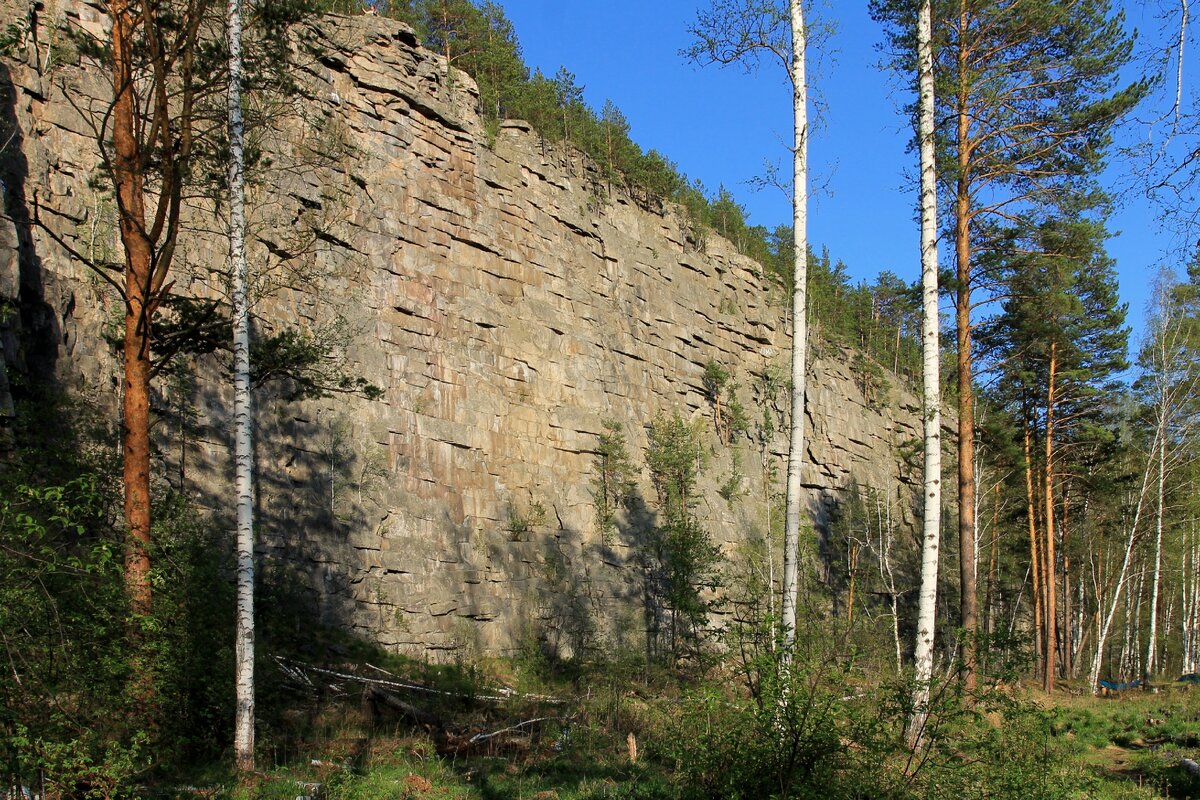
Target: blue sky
x,y
722,125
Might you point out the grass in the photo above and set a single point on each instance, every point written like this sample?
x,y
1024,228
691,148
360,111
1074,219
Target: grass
x,y
1137,739
356,744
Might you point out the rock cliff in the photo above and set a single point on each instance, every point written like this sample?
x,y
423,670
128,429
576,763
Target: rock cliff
x,y
505,300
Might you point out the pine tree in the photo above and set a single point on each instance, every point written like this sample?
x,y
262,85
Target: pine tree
x,y
1030,94
1058,346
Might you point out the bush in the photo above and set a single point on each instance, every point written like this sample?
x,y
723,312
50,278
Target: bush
x,y
69,721
802,733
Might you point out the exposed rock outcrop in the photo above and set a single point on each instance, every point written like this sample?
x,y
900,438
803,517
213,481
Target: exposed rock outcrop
x,y
505,301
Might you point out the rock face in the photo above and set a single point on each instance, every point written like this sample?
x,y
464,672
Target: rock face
x,y
505,302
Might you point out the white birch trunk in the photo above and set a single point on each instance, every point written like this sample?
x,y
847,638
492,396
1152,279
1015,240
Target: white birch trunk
x,y
242,412
791,546
885,572
931,411
1152,644
1122,577
1191,607
1191,601
1185,608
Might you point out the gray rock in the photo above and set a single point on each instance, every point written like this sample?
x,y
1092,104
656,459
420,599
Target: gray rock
x,y
506,310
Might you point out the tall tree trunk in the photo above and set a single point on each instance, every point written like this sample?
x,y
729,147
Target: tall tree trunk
x,y
243,412
791,551
1050,606
1035,559
990,600
887,575
1135,625
1191,600
136,349
966,387
1122,579
1152,644
932,405
1068,636
1106,625
852,567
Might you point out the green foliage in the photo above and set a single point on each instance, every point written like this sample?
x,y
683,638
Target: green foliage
x,y
66,713
715,379
11,39
871,380
1014,757
613,486
801,731
308,363
729,416
675,459
679,558
881,320
522,524
731,488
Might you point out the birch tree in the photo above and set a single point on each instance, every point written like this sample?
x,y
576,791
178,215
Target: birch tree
x,y
243,415
1169,384
931,380
791,545
157,138
1106,618
743,32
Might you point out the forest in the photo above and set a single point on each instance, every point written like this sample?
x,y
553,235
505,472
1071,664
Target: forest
x,y
1020,619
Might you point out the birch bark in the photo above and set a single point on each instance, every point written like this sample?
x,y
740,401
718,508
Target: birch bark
x,y
242,409
1122,579
791,550
930,348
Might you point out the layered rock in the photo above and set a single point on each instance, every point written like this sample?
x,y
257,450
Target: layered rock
x,y
505,300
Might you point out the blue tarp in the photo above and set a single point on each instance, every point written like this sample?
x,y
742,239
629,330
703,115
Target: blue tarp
x,y
1120,687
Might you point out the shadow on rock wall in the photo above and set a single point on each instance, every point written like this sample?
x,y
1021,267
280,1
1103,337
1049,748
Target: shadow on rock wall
x,y
32,336
600,599
870,557
306,502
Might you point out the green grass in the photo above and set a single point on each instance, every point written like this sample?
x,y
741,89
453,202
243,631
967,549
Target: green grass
x,y
1125,748
1135,741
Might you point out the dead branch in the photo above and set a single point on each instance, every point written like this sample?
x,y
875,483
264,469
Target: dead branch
x,y
479,737
293,668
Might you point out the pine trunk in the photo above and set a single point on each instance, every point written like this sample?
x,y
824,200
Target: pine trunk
x,y
1050,606
966,388
136,350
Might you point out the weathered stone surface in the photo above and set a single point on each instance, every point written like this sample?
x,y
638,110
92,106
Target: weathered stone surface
x,y
505,306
